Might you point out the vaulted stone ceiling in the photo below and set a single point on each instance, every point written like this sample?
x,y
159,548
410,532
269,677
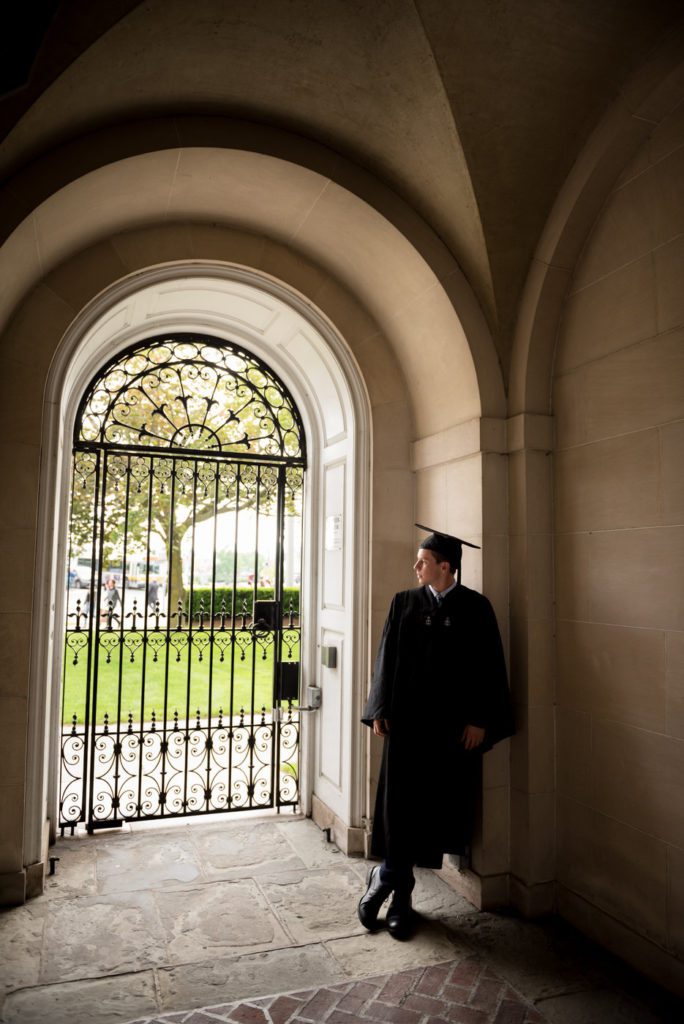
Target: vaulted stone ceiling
x,y
472,110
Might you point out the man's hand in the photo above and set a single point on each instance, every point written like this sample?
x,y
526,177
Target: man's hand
x,y
380,726
472,736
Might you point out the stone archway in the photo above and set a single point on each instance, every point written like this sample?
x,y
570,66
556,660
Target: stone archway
x,y
440,457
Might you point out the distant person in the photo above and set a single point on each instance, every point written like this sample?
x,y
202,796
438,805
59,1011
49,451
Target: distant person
x,y
111,598
152,594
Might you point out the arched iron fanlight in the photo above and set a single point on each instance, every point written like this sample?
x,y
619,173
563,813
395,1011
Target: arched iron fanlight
x,y
189,391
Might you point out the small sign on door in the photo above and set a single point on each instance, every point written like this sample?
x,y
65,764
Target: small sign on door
x,y
333,533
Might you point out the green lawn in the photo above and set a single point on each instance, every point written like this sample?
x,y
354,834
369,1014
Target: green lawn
x,y
252,683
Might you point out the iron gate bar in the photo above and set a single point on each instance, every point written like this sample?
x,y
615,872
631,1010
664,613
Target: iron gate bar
x,y
212,602
253,670
96,651
277,639
105,473
144,646
92,603
167,652
189,648
238,482
122,600
190,453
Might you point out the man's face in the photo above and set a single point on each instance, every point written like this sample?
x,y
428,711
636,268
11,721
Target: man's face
x,y
429,570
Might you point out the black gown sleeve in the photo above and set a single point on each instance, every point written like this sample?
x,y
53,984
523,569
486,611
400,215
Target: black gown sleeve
x,y
490,700
379,701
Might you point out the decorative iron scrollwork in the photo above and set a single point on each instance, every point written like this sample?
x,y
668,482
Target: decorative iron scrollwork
x,y
187,391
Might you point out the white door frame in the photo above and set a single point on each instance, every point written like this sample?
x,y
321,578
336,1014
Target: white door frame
x,y
318,367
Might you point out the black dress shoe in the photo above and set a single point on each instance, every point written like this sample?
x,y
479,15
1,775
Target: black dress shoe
x,y
400,917
373,898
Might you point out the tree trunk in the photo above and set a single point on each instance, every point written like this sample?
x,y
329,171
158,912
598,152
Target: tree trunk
x,y
177,591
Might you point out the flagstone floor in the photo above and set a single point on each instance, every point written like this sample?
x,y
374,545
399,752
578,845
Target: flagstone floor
x,y
254,920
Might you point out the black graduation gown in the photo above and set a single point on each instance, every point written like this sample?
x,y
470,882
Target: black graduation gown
x,y
438,669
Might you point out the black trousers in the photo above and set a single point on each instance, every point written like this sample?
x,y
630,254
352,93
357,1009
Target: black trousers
x,y
398,873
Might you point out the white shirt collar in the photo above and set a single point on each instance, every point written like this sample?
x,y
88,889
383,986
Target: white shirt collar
x,y
440,594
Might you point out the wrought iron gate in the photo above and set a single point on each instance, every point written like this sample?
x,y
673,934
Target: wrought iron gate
x,y
181,667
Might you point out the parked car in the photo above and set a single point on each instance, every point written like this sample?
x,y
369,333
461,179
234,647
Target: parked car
x,y
83,568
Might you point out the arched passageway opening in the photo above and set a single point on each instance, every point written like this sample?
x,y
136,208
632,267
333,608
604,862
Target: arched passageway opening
x,y
191,432
385,446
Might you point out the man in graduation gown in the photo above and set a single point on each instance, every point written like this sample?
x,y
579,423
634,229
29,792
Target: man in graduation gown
x,y
440,699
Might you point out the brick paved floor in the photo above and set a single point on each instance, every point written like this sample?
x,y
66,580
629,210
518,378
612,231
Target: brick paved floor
x,y
458,992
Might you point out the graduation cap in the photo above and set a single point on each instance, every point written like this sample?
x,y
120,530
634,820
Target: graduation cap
x,y
450,547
